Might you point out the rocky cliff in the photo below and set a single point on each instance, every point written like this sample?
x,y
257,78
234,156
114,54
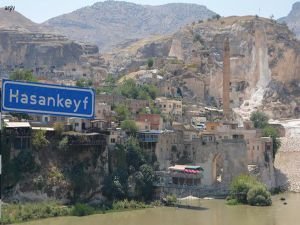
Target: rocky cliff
x,y
40,49
264,61
24,44
111,23
293,19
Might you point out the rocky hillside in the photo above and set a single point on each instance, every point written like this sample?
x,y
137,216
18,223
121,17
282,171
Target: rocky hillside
x,y
264,62
293,19
24,44
111,23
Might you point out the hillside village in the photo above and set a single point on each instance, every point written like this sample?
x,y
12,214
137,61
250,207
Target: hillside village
x,y
172,113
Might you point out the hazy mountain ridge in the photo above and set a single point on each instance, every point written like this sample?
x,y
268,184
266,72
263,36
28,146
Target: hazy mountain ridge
x,y
15,20
111,23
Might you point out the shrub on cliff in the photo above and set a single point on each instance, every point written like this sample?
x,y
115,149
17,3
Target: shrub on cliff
x,y
271,132
39,140
23,75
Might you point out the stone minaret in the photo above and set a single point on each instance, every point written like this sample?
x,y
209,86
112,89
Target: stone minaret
x,y
226,81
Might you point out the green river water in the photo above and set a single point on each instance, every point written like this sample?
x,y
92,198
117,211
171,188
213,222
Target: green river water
x,y
208,212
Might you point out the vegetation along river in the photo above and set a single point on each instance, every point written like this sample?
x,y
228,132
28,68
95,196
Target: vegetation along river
x,y
210,212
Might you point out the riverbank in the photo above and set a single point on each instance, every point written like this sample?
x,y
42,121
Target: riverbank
x,y
212,212
18,213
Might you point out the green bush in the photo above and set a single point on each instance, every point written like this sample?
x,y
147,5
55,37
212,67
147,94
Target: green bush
x,y
39,140
150,63
246,189
240,186
232,201
129,126
171,200
63,144
24,75
259,196
271,132
259,119
82,210
126,204
16,213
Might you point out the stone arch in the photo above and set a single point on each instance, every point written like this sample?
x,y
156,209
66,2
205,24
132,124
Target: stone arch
x,y
217,167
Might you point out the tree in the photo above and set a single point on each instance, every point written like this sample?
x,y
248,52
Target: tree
x,y
122,112
271,132
259,196
39,140
240,186
259,119
216,17
144,179
150,63
135,157
129,89
115,186
151,90
129,126
23,75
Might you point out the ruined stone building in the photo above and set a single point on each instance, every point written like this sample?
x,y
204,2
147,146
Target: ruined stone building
x,y
169,106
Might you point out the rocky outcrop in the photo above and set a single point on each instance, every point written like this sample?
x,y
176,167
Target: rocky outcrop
x,y
27,45
293,19
263,52
111,23
40,49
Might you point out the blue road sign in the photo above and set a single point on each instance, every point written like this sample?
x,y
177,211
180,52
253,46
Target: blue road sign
x,y
27,97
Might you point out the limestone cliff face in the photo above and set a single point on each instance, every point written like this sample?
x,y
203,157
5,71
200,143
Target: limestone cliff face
x,y
40,49
25,44
262,52
293,19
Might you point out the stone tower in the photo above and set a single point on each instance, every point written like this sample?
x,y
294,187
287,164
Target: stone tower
x,y
226,80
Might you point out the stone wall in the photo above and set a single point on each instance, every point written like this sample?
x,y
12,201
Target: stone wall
x,y
287,164
229,154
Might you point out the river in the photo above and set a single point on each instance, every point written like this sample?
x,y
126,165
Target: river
x,y
209,212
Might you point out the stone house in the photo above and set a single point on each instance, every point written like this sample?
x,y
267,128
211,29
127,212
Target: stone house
x,y
103,111
134,105
169,106
150,121
78,124
116,136
17,135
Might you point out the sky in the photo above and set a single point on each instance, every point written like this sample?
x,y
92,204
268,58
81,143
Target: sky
x,y
41,10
